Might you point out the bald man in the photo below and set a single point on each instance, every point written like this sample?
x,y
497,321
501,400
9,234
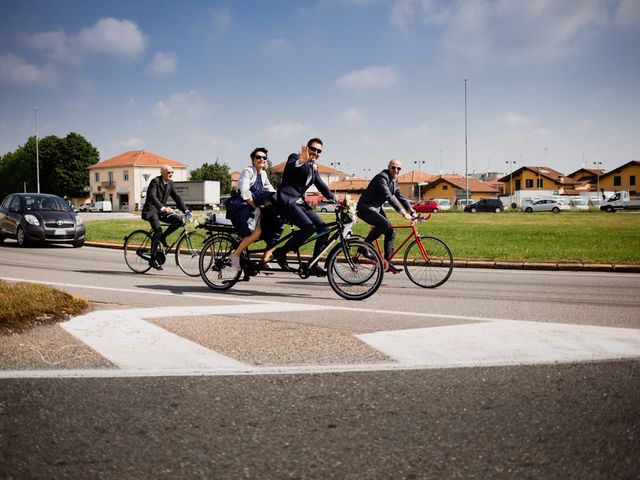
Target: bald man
x,y
384,188
155,210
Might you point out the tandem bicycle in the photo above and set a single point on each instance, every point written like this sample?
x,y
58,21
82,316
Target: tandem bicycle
x,y
354,268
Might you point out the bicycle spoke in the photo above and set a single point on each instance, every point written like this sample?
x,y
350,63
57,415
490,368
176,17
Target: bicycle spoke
x,y
188,251
351,274
137,251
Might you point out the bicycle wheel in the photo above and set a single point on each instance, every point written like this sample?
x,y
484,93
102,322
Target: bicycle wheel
x,y
352,275
137,251
429,262
188,251
215,265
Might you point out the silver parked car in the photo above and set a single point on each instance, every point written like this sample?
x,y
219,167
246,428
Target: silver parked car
x,y
545,205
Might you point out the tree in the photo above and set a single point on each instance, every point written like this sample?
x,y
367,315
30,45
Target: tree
x,y
63,164
273,177
217,172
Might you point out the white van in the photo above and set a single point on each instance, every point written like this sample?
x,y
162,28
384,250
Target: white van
x,y
104,206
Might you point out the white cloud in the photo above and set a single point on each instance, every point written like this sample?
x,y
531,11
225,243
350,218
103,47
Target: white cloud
x,y
628,14
276,45
372,77
287,130
119,38
189,105
132,142
516,120
510,32
353,116
541,132
220,19
163,63
419,131
15,71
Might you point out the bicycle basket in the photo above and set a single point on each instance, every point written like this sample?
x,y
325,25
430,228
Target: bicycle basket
x,y
345,215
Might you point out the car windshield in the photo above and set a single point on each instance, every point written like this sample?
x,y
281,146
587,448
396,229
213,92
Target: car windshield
x,y
43,203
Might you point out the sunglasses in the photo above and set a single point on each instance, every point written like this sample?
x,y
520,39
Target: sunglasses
x,y
395,168
260,157
315,150
170,172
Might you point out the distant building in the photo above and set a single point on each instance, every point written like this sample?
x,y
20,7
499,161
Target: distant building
x,y
624,177
328,174
454,188
124,179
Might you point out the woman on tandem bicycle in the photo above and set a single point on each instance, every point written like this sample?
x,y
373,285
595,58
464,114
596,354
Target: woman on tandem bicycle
x,y
351,274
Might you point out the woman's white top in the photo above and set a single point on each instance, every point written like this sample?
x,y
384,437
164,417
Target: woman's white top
x,y
248,177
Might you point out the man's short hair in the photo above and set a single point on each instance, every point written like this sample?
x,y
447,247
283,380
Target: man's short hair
x,y
259,149
314,140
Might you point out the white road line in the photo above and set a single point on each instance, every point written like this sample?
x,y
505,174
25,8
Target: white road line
x,y
505,343
126,340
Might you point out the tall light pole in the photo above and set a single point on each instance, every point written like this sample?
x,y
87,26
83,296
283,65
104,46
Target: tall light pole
x,y
511,163
419,163
466,167
35,114
334,164
598,166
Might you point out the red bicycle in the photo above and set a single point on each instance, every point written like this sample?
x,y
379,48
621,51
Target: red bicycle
x,y
427,260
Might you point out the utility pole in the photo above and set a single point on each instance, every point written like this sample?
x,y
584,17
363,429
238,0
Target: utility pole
x,y
418,192
334,164
35,113
466,163
598,166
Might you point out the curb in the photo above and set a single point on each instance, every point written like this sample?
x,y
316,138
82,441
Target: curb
x,y
547,266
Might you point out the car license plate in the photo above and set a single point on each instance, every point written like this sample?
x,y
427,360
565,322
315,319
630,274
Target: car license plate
x,y
60,231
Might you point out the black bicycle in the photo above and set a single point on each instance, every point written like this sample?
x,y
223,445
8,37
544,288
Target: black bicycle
x,y
188,244
354,268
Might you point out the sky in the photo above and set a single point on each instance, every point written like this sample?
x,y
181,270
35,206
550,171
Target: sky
x,y
443,86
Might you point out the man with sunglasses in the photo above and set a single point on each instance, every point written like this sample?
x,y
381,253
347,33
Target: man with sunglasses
x,y
384,188
299,174
155,210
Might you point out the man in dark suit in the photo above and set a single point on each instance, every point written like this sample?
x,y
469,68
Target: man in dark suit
x,y
155,210
384,188
299,174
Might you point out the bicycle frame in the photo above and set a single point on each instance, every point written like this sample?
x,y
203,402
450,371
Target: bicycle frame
x,y
412,236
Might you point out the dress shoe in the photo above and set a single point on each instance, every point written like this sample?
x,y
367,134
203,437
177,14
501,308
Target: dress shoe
x,y
155,264
281,258
318,271
392,269
366,253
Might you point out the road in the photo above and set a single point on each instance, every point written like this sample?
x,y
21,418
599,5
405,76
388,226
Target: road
x,y
496,374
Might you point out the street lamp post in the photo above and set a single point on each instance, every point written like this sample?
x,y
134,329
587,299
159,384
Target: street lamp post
x,y
419,163
365,171
334,165
598,166
511,163
35,113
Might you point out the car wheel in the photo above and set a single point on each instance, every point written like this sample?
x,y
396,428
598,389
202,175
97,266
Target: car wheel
x,y
498,209
435,210
323,210
528,209
78,243
1,240
21,238
555,209
473,210
514,205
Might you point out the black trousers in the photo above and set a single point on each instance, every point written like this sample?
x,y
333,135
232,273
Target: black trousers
x,y
308,221
173,220
381,225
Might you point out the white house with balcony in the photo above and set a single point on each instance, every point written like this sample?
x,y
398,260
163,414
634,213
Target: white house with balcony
x,y
123,179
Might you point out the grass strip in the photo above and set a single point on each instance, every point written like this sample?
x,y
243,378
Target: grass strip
x,y
28,304
587,237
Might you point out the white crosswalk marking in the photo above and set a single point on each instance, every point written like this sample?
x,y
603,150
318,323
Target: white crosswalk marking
x,y
505,343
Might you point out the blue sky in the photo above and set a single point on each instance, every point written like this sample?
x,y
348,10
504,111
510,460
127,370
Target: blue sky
x,y
552,82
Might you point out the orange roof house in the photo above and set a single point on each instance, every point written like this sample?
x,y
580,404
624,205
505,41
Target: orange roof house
x,y
123,179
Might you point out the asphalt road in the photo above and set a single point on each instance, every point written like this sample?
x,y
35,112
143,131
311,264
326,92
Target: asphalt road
x,y
554,420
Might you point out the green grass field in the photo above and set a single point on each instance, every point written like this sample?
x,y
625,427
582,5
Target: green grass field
x,y
588,237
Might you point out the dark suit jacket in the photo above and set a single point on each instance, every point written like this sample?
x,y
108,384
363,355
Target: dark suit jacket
x,y
157,196
296,181
382,189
